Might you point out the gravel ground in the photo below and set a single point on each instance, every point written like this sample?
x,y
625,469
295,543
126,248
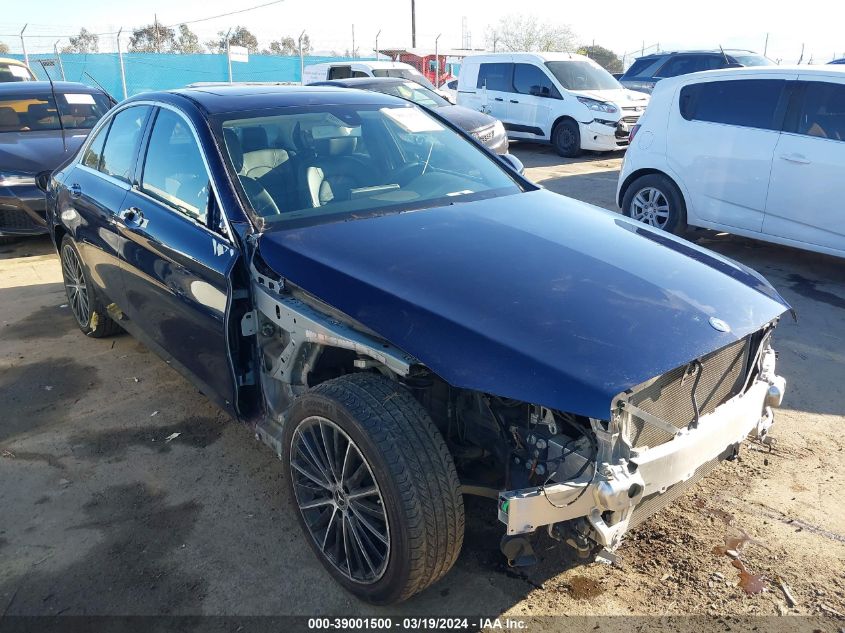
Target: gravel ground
x,y
102,515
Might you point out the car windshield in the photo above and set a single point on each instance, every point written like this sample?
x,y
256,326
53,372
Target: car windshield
x,y
14,72
752,59
414,92
302,165
582,75
404,73
27,112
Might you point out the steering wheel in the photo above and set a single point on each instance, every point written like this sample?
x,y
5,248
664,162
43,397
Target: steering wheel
x,y
407,172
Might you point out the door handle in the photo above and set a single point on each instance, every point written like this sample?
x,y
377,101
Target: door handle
x,y
75,190
800,159
514,101
133,216
497,99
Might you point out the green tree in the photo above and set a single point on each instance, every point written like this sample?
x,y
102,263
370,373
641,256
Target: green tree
x,y
530,33
152,38
85,42
604,57
187,41
240,36
288,46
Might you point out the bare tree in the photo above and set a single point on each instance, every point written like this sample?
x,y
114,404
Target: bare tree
x,y
530,33
152,38
288,46
240,36
85,42
187,41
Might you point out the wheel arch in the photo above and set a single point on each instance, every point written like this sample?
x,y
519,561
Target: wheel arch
x,y
646,171
558,121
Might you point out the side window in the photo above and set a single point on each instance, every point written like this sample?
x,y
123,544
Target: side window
x,y
496,77
340,72
122,142
174,171
530,80
686,64
94,151
640,66
822,112
746,103
359,73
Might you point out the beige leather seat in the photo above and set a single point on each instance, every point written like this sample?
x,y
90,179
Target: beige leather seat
x,y
259,157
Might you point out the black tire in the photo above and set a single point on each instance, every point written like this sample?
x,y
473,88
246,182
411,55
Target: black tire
x,y
8,239
566,138
663,192
90,313
418,487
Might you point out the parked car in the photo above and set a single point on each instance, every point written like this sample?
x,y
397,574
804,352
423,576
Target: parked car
x,y
484,128
14,70
646,71
35,138
568,100
758,152
348,70
405,320
451,89
838,61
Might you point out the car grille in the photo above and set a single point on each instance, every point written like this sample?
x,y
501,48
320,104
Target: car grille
x,y
630,119
11,219
670,397
485,135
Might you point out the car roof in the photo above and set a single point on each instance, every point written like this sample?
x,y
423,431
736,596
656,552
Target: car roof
x,y
549,56
38,87
243,98
757,71
371,63
703,51
11,60
357,82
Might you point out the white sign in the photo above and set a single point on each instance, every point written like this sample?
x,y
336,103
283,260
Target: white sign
x,y
413,120
238,54
18,71
79,98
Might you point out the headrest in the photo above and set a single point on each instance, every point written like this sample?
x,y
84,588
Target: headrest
x,y
233,144
253,139
340,146
9,118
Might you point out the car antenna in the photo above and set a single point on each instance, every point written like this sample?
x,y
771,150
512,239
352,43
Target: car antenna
x,y
100,86
727,61
56,102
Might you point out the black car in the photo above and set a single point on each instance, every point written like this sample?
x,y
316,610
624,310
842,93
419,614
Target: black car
x,y
404,319
36,136
485,129
646,71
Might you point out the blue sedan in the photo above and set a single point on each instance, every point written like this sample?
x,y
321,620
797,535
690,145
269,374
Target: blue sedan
x,y
406,320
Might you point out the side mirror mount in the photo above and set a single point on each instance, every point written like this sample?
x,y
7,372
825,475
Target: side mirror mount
x,y
514,163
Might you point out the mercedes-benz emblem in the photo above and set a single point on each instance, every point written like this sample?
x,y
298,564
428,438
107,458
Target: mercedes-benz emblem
x,y
719,325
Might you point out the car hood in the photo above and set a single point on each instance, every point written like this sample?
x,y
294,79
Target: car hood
x,y
620,96
467,119
531,296
34,152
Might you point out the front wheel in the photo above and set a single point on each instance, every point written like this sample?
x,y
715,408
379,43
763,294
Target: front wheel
x,y
655,200
87,309
375,487
566,139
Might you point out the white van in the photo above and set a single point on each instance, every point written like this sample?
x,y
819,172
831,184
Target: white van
x,y
347,70
566,99
757,152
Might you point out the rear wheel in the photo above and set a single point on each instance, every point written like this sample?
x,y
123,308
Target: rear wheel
x,y
87,309
375,487
566,139
655,200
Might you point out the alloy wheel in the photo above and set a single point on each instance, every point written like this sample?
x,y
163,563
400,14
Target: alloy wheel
x,y
340,500
75,286
650,206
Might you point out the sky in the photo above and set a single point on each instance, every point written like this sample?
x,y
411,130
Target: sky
x,y
624,28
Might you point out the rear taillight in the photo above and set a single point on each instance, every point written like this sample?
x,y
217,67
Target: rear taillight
x,y
634,129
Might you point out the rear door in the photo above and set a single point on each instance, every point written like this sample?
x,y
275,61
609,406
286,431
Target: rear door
x,y
807,192
96,189
175,267
722,136
531,102
495,85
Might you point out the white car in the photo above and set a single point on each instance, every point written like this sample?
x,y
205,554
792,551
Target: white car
x,y
758,152
566,99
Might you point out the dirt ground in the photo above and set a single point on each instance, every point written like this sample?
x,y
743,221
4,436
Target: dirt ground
x,y
101,514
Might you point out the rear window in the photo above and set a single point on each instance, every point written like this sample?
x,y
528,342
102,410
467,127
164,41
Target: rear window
x,y
746,103
28,112
496,77
14,72
640,67
752,59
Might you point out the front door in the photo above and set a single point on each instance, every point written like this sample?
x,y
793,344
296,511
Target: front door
x,y
530,104
807,191
175,268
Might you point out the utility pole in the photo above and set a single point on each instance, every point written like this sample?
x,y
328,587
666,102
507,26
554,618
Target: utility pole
x,y
122,69
413,24
437,61
23,45
301,59
59,59
229,55
353,42
155,30
377,53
